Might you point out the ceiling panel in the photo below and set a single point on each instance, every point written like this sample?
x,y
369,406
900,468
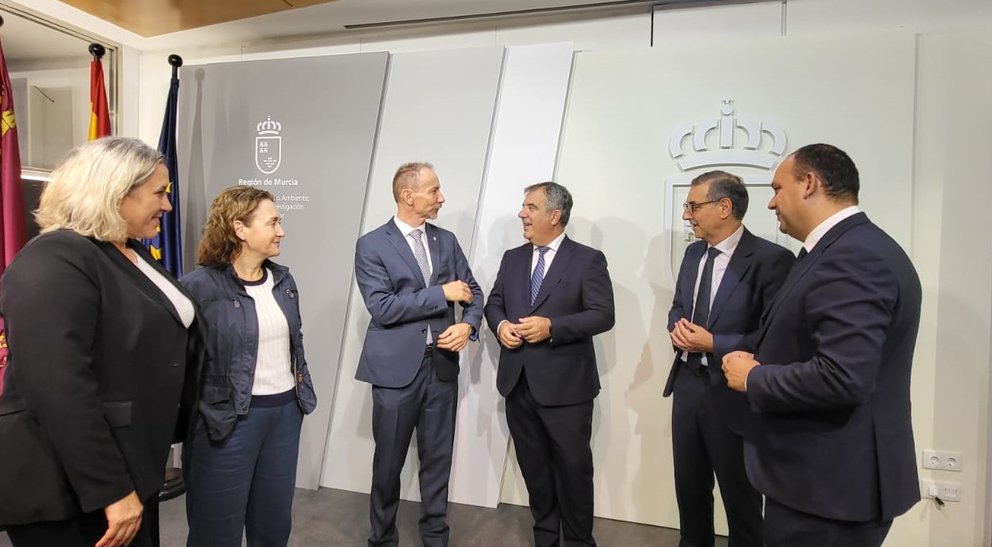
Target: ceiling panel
x,y
155,17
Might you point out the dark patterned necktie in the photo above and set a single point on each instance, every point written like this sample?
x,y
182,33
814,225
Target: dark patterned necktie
x,y
701,310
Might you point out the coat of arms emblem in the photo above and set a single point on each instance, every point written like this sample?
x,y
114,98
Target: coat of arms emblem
x,y
268,146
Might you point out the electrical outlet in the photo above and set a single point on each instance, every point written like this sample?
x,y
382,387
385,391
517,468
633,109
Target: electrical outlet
x,y
941,460
945,490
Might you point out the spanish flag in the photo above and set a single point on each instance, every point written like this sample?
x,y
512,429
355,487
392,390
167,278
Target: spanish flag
x,y
99,112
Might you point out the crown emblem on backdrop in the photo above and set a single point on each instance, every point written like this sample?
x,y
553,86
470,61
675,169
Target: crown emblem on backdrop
x,y
268,127
268,146
727,140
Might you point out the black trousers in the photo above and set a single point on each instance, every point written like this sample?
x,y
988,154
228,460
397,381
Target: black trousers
x,y
786,527
428,406
552,445
704,446
84,530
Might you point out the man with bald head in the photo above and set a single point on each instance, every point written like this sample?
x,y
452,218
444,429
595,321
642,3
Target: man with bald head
x,y
411,275
830,370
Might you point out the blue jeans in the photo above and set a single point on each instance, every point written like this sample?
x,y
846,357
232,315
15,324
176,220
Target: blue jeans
x,y
246,482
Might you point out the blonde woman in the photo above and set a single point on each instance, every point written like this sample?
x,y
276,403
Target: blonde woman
x,y
101,348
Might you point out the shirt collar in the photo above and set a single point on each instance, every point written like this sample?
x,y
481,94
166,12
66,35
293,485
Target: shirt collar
x,y
405,228
555,243
821,230
729,245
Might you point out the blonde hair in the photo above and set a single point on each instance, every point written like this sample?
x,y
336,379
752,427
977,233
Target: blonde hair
x,y
86,189
220,245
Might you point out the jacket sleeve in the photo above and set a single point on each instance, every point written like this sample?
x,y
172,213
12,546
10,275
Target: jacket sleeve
x,y
677,310
51,306
849,309
771,278
597,314
387,306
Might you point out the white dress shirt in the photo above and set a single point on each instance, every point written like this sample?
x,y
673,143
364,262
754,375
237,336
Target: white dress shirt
x,y
821,229
549,255
405,229
720,263
183,305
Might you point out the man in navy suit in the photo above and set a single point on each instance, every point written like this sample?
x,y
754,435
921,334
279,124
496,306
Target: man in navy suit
x,y
833,451
411,274
551,296
725,281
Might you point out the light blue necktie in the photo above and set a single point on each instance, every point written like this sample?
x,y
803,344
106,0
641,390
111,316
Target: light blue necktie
x,y
538,276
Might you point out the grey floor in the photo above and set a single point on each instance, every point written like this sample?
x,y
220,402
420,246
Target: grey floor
x,y
335,517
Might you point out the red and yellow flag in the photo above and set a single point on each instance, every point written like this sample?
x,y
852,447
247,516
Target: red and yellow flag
x,y
13,228
99,112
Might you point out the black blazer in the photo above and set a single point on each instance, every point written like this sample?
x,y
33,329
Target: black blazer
x,y
836,346
99,362
577,295
755,273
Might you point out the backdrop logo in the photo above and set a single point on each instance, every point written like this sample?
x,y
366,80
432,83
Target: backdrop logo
x,y
268,146
735,141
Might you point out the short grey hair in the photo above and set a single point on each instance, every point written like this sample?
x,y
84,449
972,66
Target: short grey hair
x,y
87,187
558,198
725,185
406,176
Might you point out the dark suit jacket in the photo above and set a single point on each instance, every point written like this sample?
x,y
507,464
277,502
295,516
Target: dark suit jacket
x,y
836,347
402,306
755,273
577,296
98,362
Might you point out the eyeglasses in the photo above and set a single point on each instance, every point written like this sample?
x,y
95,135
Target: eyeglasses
x,y
691,207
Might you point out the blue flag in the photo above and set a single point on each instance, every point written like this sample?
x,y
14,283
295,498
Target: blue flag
x,y
167,247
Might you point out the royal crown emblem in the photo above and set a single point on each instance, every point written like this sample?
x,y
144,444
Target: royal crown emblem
x,y
268,146
734,141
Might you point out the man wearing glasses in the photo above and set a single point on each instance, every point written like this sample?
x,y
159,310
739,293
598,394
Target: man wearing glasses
x,y
725,281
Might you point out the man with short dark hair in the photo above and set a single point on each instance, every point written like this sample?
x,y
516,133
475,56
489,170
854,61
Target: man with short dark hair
x,y
551,296
411,274
725,281
830,373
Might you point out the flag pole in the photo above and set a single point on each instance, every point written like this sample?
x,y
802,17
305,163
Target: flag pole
x,y
97,50
176,62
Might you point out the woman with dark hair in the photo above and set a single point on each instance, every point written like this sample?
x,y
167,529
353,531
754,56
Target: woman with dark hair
x,y
241,461
103,357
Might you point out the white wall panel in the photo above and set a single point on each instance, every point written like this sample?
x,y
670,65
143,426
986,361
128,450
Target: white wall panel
x,y
706,25
951,378
623,110
522,152
438,107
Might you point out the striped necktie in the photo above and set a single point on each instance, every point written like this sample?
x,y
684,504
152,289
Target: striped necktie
x,y
538,276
